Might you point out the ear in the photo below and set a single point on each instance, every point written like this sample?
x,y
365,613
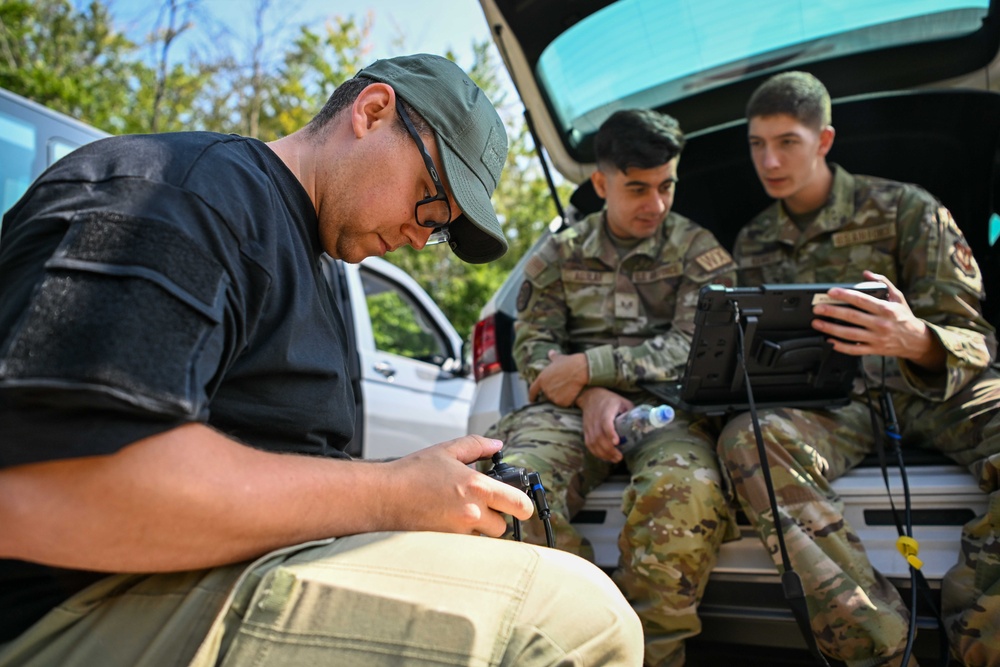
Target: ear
x,y
374,106
600,182
826,140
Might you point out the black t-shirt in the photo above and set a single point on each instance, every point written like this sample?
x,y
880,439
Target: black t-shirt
x,y
151,281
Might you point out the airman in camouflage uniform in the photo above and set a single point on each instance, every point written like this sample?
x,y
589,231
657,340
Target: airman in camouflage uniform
x,y
905,238
605,304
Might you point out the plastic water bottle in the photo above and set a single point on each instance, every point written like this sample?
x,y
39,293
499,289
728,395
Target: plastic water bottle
x,y
637,423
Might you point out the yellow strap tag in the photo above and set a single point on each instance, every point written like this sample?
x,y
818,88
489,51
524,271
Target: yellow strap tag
x,y
909,548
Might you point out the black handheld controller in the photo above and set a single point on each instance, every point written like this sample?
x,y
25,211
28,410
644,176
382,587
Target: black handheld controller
x,y
508,474
531,484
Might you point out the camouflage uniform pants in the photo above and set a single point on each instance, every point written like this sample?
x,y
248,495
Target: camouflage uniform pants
x,y
676,512
857,615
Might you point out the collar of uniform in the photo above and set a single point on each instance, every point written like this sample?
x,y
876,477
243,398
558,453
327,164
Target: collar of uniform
x,y
834,214
599,244
839,209
593,245
778,227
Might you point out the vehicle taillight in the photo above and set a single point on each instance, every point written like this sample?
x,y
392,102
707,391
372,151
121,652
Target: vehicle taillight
x,y
485,360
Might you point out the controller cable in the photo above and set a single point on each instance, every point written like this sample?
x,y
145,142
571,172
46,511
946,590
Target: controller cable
x,y
791,583
905,544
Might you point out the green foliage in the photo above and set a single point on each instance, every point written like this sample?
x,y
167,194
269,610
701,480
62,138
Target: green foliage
x,y
74,62
312,70
398,331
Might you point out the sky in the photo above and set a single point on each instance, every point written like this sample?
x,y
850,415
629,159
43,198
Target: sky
x,y
423,26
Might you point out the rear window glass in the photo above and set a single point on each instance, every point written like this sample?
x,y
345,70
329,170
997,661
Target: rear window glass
x,y
17,154
644,53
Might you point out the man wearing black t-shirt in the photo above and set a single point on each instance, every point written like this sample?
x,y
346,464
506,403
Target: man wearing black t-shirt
x,y
174,393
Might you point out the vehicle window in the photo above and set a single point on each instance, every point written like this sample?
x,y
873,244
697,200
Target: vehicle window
x,y
400,324
59,148
17,155
644,53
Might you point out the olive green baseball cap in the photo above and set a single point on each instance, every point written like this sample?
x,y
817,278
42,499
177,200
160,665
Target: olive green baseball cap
x,y
470,137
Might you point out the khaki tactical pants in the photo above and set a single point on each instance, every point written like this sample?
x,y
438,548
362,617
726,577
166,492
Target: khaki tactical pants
x,y
373,599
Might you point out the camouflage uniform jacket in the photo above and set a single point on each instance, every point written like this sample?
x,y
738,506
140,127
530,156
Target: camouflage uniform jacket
x,y
897,230
631,313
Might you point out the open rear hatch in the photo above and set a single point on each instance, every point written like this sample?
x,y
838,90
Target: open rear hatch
x,y
574,63
908,78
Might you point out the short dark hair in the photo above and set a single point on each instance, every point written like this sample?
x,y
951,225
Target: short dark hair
x,y
641,138
344,95
798,94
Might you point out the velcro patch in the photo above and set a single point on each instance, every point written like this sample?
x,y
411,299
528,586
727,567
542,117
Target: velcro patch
x,y
626,305
142,298
713,259
495,151
864,235
117,244
534,266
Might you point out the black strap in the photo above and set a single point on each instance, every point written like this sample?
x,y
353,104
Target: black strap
x,y
791,584
917,579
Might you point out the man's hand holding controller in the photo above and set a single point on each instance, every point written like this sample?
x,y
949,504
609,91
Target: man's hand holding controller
x,y
435,489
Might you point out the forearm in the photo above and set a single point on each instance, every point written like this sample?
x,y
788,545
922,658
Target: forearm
x,y
956,358
186,499
531,350
924,350
944,289
540,328
622,367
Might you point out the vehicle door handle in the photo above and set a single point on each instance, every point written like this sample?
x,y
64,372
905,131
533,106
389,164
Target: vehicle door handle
x,y
384,368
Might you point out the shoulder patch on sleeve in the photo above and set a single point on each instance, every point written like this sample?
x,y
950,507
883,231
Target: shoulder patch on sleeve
x,y
961,256
713,259
542,268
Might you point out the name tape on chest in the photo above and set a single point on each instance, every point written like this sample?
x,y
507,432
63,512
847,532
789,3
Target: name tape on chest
x,y
668,271
588,277
765,259
865,235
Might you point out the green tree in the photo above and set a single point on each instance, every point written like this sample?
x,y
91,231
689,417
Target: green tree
x,y
165,93
79,63
277,87
74,62
317,63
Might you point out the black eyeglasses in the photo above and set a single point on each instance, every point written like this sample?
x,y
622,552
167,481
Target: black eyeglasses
x,y
432,212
